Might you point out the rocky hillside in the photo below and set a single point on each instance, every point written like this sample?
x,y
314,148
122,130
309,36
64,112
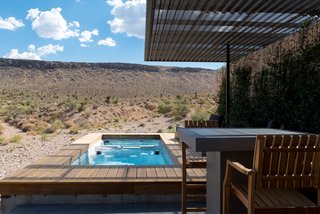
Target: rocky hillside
x,y
103,79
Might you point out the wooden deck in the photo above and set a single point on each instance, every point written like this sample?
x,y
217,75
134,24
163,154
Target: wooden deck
x,y
55,175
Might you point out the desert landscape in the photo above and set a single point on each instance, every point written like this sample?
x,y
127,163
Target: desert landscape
x,y
47,105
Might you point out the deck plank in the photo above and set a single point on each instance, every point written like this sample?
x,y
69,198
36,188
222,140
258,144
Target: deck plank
x,y
161,173
83,172
151,173
72,173
92,172
122,173
171,174
102,173
112,173
132,173
141,173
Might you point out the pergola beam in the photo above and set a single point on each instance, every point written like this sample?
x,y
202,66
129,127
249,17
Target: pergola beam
x,y
207,23
243,6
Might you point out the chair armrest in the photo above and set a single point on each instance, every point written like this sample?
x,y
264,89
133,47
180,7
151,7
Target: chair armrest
x,y
227,185
240,168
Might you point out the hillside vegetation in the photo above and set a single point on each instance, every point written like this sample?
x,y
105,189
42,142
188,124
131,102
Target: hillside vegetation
x,y
43,98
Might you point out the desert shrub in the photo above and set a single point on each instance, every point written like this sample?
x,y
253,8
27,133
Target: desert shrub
x,y
68,124
57,124
165,107
150,106
107,100
74,130
115,100
15,139
177,109
26,126
44,137
29,107
180,110
12,111
195,95
49,130
3,141
70,103
32,120
84,124
1,128
200,115
40,126
82,106
87,114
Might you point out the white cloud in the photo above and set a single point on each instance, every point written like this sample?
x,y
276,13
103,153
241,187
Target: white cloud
x,y
32,48
115,2
86,36
10,23
107,42
51,24
34,53
129,17
84,45
74,24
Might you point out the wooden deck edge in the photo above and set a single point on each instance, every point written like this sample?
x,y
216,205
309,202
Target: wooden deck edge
x,y
84,187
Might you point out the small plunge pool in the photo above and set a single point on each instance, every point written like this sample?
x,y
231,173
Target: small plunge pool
x,y
127,151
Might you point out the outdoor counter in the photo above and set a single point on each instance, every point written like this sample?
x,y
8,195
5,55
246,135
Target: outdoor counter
x,y
221,144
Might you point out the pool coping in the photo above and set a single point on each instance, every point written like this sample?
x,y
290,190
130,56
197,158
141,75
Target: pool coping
x,y
92,139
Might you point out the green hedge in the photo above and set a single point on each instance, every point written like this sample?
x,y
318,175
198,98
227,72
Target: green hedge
x,y
288,90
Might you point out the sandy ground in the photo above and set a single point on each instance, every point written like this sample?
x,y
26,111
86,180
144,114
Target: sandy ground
x,y
15,156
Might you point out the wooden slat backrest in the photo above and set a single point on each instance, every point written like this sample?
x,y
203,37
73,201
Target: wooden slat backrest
x,y
287,161
201,123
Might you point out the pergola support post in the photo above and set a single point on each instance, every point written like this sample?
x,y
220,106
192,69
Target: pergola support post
x,y
227,85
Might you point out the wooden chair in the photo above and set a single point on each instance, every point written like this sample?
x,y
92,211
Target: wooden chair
x,y
192,190
282,164
201,123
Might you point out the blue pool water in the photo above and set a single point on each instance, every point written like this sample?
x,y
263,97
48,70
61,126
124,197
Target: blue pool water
x,y
127,152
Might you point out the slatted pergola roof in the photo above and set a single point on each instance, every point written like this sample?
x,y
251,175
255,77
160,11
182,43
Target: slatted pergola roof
x,y
199,30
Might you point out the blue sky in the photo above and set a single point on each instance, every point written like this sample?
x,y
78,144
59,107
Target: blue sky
x,y
76,30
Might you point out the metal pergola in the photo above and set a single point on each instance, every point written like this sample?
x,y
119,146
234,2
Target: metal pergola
x,y
220,30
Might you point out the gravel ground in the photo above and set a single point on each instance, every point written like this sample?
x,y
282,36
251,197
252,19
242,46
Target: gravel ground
x,y
15,156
